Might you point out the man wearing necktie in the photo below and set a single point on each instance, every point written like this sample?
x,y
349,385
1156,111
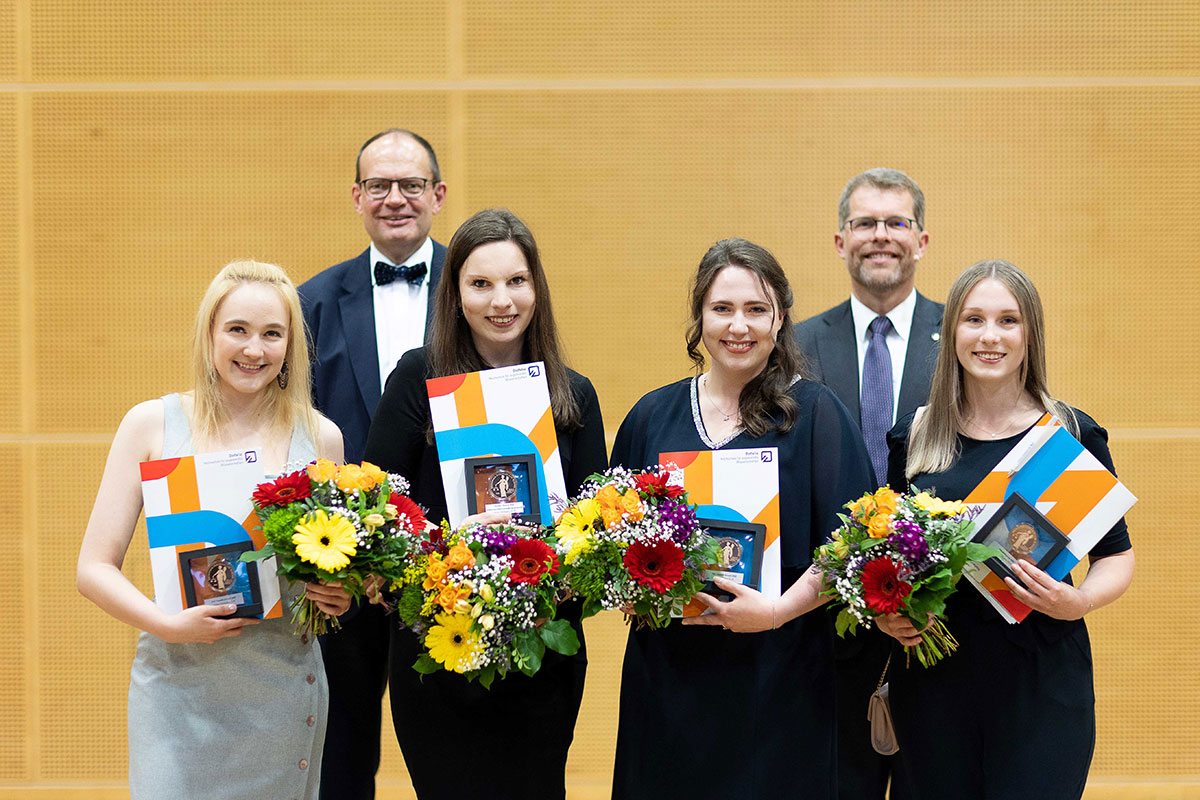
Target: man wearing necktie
x,y
362,315
876,351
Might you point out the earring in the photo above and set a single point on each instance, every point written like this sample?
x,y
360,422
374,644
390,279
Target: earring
x,y
282,377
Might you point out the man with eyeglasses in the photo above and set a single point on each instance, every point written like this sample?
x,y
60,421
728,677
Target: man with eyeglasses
x,y
876,351
362,315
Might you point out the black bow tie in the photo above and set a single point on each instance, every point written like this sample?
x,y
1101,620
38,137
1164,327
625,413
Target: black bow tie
x,y
386,273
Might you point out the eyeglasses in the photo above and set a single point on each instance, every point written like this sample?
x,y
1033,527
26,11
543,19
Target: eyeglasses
x,y
379,188
866,226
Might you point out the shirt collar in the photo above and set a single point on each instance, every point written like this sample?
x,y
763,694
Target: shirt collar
x,y
901,316
424,253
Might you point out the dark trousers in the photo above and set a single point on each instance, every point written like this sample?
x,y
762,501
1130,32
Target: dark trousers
x,y
862,773
356,664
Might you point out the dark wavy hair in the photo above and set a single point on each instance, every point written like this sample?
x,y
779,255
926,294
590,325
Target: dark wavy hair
x,y
451,347
765,403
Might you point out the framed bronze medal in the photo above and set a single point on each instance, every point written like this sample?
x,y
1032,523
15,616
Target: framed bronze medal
x,y
218,576
507,484
739,554
1021,533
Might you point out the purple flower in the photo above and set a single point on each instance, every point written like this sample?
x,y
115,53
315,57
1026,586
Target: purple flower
x,y
909,540
497,542
678,520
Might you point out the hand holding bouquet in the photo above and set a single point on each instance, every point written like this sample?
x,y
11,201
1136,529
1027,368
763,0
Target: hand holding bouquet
x,y
477,598
329,524
631,542
898,553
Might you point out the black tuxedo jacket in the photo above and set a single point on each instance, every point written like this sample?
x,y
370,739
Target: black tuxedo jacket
x,y
340,313
828,342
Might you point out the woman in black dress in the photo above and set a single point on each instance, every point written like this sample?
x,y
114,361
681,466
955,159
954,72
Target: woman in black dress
x,y
705,713
492,310
1011,714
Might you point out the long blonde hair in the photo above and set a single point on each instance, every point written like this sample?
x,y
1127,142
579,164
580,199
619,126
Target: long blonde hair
x,y
285,406
933,444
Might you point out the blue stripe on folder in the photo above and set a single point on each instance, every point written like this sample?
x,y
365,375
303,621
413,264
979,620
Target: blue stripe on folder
x,y
1031,482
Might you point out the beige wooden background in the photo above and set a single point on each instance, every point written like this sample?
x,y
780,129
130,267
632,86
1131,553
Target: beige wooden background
x,y
144,144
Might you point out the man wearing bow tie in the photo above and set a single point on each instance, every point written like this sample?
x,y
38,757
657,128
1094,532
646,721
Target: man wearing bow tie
x,y
362,315
876,351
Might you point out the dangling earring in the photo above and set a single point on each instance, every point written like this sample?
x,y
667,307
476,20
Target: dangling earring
x,y
282,377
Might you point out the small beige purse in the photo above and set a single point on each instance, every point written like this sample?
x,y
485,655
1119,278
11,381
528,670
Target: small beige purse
x,y
879,714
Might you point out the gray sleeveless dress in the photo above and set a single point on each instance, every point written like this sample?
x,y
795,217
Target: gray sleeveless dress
x,y
241,719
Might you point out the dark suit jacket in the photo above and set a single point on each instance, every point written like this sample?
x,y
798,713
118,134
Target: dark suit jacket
x,y
827,340
340,313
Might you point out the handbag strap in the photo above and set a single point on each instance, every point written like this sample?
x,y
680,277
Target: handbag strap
x,y
883,677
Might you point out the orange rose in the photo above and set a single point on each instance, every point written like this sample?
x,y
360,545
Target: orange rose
x,y
435,572
886,500
879,526
373,473
610,505
351,477
322,471
632,505
451,595
460,556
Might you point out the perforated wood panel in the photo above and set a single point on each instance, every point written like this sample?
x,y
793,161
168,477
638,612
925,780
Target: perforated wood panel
x,y
10,270
227,40
167,139
821,39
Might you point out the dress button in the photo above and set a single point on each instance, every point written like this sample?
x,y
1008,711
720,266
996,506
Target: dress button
x,y
303,763
311,721
311,679
304,639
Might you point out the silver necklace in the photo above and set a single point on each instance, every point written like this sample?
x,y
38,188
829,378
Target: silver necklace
x,y
974,424
713,403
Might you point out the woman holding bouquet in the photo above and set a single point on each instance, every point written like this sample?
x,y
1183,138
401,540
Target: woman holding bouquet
x,y
1011,713
492,310
235,706
705,712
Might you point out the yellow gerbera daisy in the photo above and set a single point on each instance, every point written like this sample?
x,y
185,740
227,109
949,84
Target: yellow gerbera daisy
x,y
451,642
324,540
576,526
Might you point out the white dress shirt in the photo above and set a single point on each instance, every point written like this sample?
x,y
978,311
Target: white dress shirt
x,y
901,318
400,310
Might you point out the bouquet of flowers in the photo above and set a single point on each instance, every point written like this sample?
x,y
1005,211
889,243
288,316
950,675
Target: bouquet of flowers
x,y
330,523
899,553
631,542
477,598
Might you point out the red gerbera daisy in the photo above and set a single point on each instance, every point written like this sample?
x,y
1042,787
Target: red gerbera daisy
x,y
882,588
657,486
283,490
531,559
409,515
658,566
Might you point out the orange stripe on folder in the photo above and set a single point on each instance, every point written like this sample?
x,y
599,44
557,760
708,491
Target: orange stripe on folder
x,y
698,481
181,487
543,436
468,400
1075,494
990,489
769,516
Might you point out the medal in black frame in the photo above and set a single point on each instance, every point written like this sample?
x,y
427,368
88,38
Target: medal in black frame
x,y
1022,533
507,484
740,556
218,576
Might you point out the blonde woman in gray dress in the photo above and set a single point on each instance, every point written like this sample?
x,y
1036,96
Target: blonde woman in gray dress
x,y
219,708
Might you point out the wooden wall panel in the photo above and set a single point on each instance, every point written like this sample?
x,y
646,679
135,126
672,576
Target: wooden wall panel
x,y
814,40
10,268
227,40
173,187
156,142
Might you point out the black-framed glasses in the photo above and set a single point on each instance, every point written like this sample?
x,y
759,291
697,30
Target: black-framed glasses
x,y
379,188
866,226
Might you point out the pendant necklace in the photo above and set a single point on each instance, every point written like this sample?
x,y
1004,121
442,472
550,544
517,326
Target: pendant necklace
x,y
713,403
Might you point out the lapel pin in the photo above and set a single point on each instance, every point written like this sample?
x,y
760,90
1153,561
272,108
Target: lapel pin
x,y
937,337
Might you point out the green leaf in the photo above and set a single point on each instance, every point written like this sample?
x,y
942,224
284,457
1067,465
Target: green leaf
x,y
980,552
527,652
560,637
591,608
426,665
486,676
258,555
845,622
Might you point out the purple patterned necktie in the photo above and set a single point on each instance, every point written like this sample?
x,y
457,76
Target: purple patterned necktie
x,y
877,395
